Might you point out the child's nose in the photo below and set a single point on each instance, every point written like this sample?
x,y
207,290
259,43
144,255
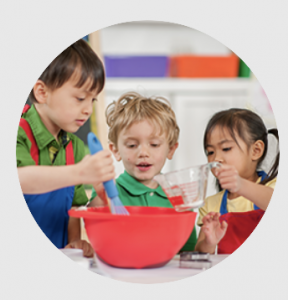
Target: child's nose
x,y
143,151
218,158
88,108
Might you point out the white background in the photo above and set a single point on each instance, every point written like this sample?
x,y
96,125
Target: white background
x,y
157,38
33,34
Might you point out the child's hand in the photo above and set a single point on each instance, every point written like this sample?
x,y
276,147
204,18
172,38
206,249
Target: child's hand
x,y
213,229
229,178
97,168
88,251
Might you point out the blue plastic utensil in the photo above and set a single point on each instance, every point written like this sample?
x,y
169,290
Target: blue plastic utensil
x,y
116,205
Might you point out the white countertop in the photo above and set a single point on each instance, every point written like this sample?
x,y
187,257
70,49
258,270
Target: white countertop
x,y
170,272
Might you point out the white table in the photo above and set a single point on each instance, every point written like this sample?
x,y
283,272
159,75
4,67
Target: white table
x,y
170,272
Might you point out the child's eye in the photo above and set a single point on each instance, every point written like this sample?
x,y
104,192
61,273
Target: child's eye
x,y
80,99
131,146
208,153
155,145
226,149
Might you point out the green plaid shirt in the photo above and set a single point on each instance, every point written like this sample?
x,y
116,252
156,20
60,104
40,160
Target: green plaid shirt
x,y
51,152
63,139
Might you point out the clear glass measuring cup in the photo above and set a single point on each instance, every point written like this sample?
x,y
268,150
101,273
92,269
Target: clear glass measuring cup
x,y
186,188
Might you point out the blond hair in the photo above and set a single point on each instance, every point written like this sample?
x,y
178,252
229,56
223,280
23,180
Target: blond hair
x,y
132,107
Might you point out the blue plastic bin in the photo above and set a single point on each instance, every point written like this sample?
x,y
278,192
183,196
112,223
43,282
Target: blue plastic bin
x,y
136,66
86,38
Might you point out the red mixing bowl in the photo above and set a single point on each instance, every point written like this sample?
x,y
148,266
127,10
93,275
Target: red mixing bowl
x,y
147,238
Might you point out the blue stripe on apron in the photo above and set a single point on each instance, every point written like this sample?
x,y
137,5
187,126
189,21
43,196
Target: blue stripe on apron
x,y
223,207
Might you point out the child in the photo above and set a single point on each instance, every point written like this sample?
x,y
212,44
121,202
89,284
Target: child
x,y
50,161
143,133
238,139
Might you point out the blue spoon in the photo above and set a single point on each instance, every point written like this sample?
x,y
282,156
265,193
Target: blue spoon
x,y
116,205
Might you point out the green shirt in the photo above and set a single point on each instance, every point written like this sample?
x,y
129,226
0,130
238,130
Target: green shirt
x,y
46,144
134,193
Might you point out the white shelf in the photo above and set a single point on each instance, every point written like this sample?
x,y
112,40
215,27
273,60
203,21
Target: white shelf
x,y
181,85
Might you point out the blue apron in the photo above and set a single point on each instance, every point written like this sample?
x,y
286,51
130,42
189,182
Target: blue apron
x,y
50,211
223,207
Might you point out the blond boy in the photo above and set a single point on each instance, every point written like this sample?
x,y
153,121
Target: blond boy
x,y
143,133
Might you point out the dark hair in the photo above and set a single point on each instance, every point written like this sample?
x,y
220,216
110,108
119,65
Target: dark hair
x,y
77,56
249,127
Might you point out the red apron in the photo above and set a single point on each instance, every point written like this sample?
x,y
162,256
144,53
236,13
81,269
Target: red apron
x,y
240,224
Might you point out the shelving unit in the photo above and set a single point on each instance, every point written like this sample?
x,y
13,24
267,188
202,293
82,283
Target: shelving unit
x,y
194,102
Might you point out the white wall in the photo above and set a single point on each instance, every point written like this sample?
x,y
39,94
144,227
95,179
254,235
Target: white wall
x,y
157,38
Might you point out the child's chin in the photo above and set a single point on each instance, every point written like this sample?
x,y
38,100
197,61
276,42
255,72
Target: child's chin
x,y
72,130
144,178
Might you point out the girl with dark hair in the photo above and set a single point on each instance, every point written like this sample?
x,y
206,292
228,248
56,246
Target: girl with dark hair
x,y
238,140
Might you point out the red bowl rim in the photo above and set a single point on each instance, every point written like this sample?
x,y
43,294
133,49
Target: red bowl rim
x,y
100,215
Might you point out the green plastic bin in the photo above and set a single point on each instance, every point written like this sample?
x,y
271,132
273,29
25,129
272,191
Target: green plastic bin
x,y
244,70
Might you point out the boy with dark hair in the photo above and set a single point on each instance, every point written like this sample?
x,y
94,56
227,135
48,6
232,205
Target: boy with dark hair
x,y
50,159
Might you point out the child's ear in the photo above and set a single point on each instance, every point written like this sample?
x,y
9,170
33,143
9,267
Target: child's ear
x,y
257,150
172,151
115,151
40,91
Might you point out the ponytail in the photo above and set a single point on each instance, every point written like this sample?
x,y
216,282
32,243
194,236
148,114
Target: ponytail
x,y
274,169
